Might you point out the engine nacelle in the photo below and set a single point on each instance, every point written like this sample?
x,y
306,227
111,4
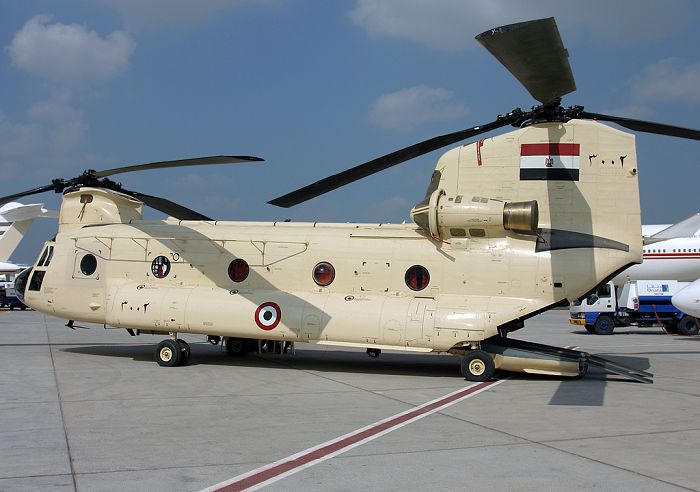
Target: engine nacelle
x,y
445,216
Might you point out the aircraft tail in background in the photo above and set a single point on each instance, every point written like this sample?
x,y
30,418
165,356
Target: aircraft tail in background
x,y
15,220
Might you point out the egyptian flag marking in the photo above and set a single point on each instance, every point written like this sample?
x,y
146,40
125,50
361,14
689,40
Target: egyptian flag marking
x,y
550,161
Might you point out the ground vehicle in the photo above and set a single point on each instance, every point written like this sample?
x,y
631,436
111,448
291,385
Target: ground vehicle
x,y
640,303
8,296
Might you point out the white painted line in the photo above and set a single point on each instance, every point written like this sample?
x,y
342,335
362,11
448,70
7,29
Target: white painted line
x,y
290,465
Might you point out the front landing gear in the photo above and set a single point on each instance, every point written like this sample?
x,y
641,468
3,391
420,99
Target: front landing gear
x,y
173,352
477,366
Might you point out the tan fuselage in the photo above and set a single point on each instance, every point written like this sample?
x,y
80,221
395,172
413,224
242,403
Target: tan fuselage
x,y
483,275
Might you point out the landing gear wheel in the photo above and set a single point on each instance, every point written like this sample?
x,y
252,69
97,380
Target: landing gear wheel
x,y
604,325
582,367
236,347
185,351
688,326
168,353
477,366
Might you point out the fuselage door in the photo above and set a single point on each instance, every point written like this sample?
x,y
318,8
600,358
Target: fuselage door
x,y
421,321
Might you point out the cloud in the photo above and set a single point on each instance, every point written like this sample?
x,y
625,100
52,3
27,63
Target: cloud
x,y
148,14
668,79
408,108
50,135
451,24
69,53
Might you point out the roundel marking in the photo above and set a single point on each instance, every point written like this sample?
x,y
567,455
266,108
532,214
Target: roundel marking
x,y
268,316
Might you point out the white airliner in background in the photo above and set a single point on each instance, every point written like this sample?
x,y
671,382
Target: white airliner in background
x,y
688,299
15,219
671,252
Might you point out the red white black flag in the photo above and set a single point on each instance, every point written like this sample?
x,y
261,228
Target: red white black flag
x,y
550,161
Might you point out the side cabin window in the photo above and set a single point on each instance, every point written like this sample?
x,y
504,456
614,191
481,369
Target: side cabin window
x,y
86,265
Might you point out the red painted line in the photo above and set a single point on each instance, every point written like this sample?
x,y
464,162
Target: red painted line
x,y
297,462
550,149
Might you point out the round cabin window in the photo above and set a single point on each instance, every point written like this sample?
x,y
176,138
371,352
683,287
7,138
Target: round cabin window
x,y
160,267
88,265
417,277
238,270
324,273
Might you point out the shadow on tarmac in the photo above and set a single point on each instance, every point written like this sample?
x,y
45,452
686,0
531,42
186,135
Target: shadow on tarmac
x,y
426,365
589,391
586,391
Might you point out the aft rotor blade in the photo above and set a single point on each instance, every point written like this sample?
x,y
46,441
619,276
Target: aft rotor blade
x,y
644,126
534,53
380,163
41,189
197,161
166,206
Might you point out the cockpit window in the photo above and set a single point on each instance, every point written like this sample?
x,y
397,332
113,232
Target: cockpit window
x,y
37,280
49,256
43,257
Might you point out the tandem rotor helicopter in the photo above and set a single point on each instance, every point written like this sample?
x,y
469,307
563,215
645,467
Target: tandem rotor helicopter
x,y
510,226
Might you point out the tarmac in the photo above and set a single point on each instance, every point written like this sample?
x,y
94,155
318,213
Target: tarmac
x,y
90,410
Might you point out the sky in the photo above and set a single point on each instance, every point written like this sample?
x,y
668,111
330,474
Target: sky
x,y
315,87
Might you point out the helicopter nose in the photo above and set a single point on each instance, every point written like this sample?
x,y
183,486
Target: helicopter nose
x,y
21,283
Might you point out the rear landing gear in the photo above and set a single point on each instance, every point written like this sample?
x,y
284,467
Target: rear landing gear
x,y
237,347
477,366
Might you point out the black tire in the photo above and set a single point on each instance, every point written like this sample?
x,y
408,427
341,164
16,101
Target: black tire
x,y
168,353
604,325
477,366
688,325
582,367
237,347
23,308
589,329
670,327
185,349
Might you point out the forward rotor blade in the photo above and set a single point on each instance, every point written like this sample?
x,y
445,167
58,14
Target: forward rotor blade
x,y
380,163
197,161
41,189
166,206
644,126
534,53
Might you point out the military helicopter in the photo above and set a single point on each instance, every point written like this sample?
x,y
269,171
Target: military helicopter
x,y
510,226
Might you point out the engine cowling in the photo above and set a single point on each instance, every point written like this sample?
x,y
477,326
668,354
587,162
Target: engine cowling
x,y
444,216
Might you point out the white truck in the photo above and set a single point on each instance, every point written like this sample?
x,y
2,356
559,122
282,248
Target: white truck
x,y
8,296
637,303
